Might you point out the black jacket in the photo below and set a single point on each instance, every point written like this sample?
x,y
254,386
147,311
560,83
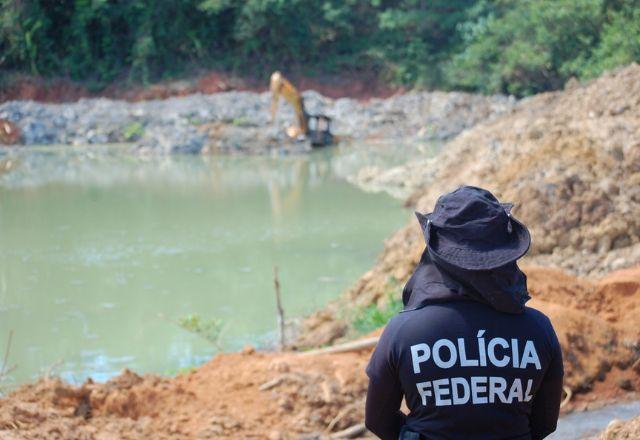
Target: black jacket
x,y
470,359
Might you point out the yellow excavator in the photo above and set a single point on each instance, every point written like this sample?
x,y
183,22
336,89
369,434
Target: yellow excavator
x,y
315,128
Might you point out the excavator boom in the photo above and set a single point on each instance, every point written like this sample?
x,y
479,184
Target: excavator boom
x,y
280,86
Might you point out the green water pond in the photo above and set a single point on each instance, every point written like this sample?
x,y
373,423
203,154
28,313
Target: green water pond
x,y
101,249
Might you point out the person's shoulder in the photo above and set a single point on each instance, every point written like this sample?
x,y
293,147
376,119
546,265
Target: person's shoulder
x,y
542,322
396,322
536,315
393,328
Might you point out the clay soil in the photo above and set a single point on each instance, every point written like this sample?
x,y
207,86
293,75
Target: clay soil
x,y
361,86
291,395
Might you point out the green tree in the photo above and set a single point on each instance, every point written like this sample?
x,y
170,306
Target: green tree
x,y
414,38
524,47
619,42
508,46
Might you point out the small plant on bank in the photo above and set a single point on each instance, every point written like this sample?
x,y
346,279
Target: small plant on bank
x,y
240,122
133,132
373,316
208,329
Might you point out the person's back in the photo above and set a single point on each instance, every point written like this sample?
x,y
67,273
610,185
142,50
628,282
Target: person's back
x,y
471,361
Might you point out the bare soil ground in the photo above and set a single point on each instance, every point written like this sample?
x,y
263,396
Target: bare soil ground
x,y
289,395
352,85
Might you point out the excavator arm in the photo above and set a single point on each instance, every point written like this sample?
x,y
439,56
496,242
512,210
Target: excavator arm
x,y
281,87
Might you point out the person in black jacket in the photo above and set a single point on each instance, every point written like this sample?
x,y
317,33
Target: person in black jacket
x,y
471,361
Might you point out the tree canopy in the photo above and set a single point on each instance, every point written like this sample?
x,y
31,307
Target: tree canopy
x,y
508,46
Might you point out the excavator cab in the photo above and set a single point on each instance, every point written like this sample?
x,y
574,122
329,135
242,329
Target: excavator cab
x,y
319,130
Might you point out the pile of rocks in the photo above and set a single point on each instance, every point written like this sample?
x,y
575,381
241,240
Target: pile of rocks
x,y
239,122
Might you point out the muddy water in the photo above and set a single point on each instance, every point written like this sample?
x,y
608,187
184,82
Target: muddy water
x,y
96,245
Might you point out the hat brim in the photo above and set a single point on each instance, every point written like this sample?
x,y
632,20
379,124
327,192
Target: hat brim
x,y
471,259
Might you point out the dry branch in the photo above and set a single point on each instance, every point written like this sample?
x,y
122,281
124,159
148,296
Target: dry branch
x,y
346,410
361,344
351,432
6,354
279,309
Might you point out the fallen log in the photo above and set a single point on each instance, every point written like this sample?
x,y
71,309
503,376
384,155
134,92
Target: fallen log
x,y
361,344
351,432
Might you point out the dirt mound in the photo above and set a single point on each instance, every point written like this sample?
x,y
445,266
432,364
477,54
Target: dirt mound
x,y
571,163
240,395
569,160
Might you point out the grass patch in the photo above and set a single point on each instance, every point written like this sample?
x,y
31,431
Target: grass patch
x,y
240,122
208,329
133,132
373,316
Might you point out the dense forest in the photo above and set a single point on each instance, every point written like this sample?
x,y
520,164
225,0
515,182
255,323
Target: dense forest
x,y
510,46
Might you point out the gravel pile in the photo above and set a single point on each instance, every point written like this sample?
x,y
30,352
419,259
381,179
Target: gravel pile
x,y
239,122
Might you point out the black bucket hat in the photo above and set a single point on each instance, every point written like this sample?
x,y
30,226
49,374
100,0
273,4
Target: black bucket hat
x,y
470,229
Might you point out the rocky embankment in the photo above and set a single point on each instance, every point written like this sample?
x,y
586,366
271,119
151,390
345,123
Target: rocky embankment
x,y
569,160
239,122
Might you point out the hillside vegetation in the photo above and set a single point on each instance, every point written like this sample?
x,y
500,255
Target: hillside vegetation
x,y
506,46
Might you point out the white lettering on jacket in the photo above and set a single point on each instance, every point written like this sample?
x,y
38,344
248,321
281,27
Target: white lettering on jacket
x,y
498,351
479,390
480,351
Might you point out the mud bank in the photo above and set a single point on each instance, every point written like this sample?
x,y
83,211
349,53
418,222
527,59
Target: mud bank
x,y
240,395
609,422
296,396
239,122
